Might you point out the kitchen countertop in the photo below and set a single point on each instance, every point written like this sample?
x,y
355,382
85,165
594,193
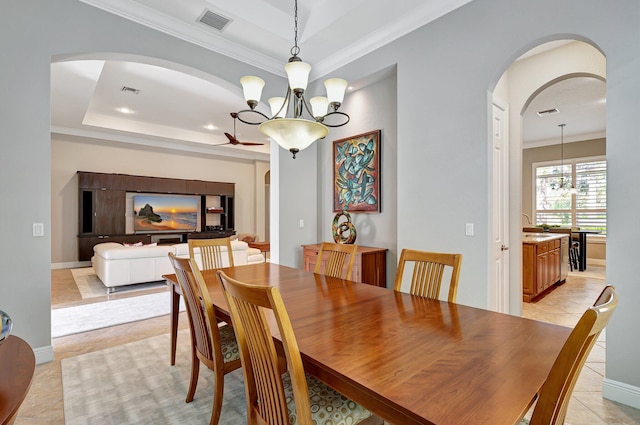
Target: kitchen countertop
x,y
534,238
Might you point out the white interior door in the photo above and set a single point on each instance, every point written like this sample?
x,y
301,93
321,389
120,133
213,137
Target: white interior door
x,y
499,268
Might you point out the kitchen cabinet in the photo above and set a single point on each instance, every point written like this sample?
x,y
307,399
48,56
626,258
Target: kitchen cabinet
x,y
541,263
370,264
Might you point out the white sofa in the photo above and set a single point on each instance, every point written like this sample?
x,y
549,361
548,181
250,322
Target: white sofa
x,y
117,265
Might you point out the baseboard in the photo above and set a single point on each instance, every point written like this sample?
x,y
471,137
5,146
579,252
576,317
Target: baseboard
x,y
596,262
43,354
72,265
621,392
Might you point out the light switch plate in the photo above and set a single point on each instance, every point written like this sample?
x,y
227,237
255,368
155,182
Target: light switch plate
x,y
469,229
38,229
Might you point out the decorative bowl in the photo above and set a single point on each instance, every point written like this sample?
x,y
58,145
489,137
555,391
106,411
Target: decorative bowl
x,y
6,326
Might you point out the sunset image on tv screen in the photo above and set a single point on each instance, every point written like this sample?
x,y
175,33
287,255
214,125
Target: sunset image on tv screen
x,y
168,213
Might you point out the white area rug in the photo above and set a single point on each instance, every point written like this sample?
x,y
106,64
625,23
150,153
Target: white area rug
x,y
134,384
90,286
83,318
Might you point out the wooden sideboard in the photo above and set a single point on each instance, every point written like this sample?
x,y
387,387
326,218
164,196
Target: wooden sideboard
x,y
370,264
541,264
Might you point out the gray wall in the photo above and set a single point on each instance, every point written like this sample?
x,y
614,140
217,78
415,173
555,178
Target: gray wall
x,y
371,108
445,71
32,34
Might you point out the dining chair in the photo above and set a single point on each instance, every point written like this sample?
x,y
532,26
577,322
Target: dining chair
x,y
211,344
272,397
211,252
337,256
428,271
555,394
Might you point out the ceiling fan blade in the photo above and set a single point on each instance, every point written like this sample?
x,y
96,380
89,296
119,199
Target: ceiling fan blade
x,y
232,139
235,141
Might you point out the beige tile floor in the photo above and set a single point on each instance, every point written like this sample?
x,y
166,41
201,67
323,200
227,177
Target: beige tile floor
x,y
44,405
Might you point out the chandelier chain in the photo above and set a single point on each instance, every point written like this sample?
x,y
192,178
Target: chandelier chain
x,y
295,49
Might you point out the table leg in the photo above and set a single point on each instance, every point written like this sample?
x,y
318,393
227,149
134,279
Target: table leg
x,y
175,311
582,266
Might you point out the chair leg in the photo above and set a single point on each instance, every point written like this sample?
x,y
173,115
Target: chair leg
x,y
195,369
218,392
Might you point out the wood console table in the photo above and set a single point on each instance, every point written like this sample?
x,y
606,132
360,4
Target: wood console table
x,y
17,365
370,265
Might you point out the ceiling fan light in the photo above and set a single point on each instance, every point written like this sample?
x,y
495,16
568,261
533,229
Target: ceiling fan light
x,y
294,133
335,89
252,88
277,110
319,106
298,74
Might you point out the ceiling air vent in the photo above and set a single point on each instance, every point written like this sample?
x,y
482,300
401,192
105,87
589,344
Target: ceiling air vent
x,y
130,90
214,20
548,112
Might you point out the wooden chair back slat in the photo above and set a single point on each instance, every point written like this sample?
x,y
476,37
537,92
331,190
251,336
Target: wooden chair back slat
x,y
206,341
338,256
555,394
211,252
428,273
251,307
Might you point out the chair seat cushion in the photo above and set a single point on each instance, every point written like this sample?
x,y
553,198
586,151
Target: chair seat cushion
x,y
230,351
328,406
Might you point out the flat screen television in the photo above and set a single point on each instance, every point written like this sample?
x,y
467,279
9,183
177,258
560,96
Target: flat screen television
x,y
158,213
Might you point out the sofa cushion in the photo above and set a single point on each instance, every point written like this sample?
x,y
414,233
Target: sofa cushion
x,y
116,251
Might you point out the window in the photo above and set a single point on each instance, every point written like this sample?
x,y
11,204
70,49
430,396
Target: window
x,y
557,205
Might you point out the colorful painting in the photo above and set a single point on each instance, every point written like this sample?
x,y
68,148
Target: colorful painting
x,y
356,173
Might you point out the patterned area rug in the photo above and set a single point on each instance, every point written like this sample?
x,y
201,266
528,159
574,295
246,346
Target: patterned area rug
x,y
134,384
87,317
90,286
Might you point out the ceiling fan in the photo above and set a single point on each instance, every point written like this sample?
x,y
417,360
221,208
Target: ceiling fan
x,y
233,140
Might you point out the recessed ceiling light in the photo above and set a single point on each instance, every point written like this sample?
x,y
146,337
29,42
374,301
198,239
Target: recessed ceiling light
x,y
548,112
125,110
209,127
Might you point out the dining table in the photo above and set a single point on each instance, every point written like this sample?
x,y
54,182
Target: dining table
x,y
408,359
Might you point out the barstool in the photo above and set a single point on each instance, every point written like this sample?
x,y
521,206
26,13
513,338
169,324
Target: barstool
x,y
574,255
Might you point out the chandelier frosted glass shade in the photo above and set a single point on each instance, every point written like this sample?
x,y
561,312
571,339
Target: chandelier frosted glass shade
x,y
293,134
298,74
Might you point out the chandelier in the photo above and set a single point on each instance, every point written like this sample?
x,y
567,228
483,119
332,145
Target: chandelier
x,y
564,185
295,132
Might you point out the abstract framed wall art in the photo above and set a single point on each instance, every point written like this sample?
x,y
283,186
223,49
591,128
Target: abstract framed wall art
x,y
356,173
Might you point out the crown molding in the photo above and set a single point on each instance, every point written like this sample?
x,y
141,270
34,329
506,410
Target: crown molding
x,y
192,147
429,12
199,36
567,139
151,18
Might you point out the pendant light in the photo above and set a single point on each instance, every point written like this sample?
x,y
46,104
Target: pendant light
x,y
296,132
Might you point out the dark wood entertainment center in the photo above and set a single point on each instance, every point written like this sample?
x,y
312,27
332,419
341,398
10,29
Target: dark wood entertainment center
x,y
102,208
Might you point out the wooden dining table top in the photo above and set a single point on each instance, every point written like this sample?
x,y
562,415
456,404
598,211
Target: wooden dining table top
x,y
409,359
17,366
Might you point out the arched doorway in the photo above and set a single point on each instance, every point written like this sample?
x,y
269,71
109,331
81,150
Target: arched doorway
x,y
529,73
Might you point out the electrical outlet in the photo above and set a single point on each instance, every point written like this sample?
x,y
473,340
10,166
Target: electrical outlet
x,y
301,224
